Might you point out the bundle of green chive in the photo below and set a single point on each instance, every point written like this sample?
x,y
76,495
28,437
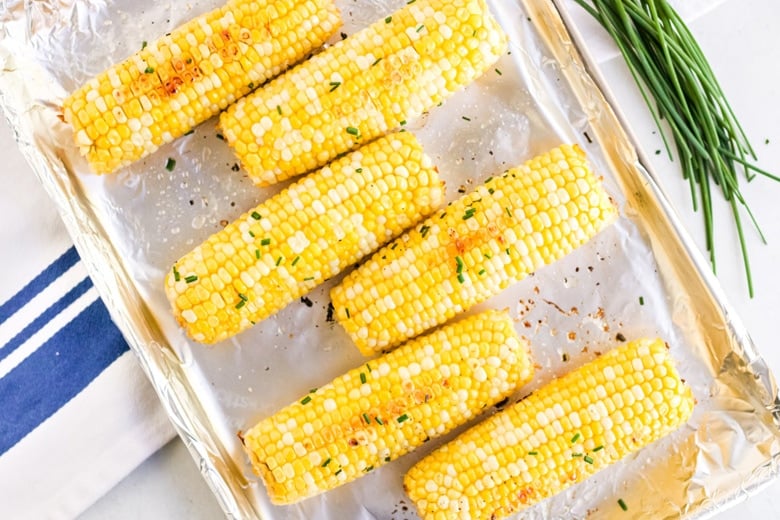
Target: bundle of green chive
x,y
678,85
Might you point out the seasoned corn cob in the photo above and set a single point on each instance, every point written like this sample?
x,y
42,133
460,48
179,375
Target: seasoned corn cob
x,y
292,242
177,82
474,248
377,412
558,436
363,86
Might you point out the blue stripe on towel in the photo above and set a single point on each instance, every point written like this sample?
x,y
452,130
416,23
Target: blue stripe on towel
x,y
39,283
55,373
45,317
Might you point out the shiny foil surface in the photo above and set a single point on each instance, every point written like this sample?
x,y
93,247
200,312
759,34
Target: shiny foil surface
x,y
640,277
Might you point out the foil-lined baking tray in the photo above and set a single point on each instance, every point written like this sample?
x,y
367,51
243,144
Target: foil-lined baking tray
x,y
642,276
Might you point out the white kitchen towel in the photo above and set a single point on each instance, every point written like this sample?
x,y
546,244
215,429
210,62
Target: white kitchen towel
x,y
76,412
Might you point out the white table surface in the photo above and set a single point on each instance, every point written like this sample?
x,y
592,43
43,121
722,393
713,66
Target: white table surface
x,y
740,39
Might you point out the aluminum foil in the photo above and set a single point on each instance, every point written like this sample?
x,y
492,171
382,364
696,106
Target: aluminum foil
x,y
642,276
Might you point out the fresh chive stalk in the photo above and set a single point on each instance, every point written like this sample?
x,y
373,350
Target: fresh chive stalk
x,y
679,87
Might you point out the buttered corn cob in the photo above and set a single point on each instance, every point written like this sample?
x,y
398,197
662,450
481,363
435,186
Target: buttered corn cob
x,y
292,242
361,87
474,248
558,436
177,82
379,411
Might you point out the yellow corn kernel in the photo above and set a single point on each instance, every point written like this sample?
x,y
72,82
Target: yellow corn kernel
x,y
213,60
363,86
379,411
474,248
294,241
556,437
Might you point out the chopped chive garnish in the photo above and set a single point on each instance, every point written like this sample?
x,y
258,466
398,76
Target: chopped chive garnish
x,y
279,109
251,233
469,213
379,421
376,61
327,461
641,300
334,85
143,44
265,241
176,275
368,367
220,136
369,468
443,214
170,164
313,390
191,278
498,71
481,272
358,170
363,378
240,304
402,418
507,250
421,27
346,310
465,118
338,471
308,279
296,260
395,244
576,454
251,85
598,448
388,19
387,459
306,400
424,230
508,211
491,191
587,459
410,2
575,438
533,453
459,264
189,132
257,254
488,256
279,260
403,123
149,70
461,278
622,504
367,418
242,296
351,130
488,179
256,215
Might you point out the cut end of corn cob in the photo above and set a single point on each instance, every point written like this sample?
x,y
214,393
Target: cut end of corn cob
x,y
474,248
556,437
283,248
177,82
377,412
363,86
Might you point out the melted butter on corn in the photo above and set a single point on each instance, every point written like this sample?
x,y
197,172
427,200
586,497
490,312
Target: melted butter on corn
x,y
379,411
361,87
283,248
556,437
175,83
474,248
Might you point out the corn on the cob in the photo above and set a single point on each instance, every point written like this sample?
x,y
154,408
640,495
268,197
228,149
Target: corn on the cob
x,y
474,248
556,437
292,242
377,412
363,86
177,82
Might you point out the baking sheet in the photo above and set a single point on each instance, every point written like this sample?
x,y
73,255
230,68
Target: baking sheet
x,y
628,282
